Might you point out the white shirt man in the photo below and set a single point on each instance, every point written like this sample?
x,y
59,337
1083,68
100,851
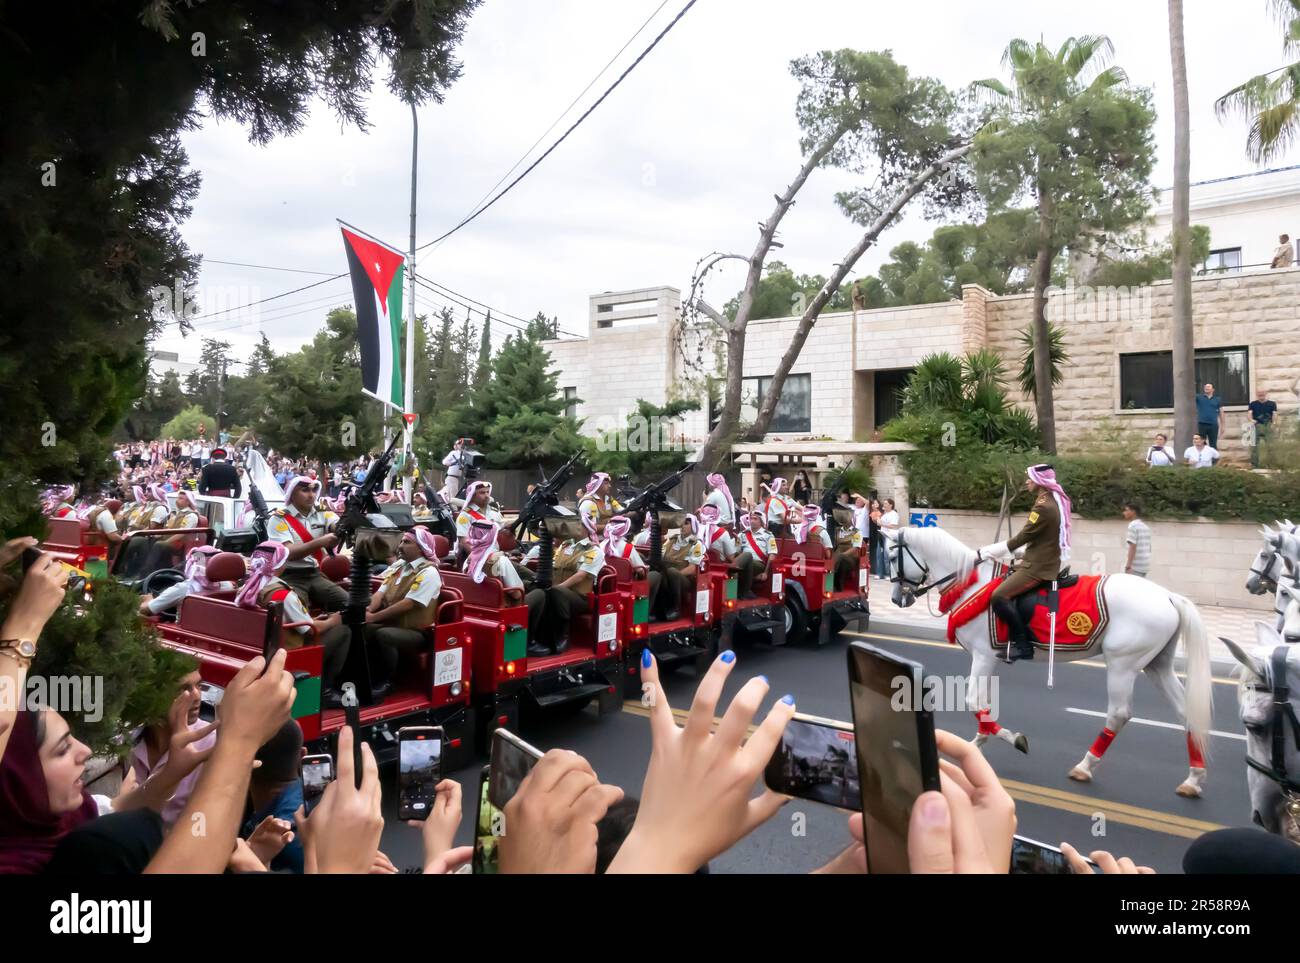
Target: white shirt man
x,y
758,543
1202,455
427,585
718,499
282,530
1160,455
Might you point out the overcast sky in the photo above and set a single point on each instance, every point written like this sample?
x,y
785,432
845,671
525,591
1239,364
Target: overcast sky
x,y
684,158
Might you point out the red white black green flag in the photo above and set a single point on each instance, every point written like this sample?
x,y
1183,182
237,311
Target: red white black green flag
x,y
378,272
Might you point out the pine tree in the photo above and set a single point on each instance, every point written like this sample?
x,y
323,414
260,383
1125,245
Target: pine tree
x,y
483,372
259,362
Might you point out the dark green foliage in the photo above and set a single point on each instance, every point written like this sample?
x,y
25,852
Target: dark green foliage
x,y
1055,346
781,294
642,447
954,402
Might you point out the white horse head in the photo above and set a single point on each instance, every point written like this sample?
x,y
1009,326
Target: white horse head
x,y
921,557
1259,714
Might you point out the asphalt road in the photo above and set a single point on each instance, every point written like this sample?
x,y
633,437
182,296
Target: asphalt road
x,y
1133,790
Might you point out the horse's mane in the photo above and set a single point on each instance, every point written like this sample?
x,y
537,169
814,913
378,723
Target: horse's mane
x,y
944,553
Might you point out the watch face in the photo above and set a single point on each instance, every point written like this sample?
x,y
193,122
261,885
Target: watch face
x,y
26,648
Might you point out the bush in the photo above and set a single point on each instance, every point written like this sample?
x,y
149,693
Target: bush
x,y
972,477
186,424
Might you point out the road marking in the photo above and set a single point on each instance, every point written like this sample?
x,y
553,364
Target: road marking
x,y
1171,824
1156,722
1090,663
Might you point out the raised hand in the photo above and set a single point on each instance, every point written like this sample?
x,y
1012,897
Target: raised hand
x,y
696,801
344,829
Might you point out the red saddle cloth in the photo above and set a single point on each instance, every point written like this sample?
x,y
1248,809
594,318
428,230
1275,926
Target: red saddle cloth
x,y
1081,613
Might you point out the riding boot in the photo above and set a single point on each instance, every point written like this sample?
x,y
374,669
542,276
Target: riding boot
x,y
1018,645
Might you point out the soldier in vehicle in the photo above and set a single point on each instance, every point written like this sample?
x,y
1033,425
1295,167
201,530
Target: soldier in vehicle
x,y
479,507
780,512
420,510
1046,537
598,504
720,497
617,545
848,544
813,526
303,530
682,554
758,545
265,585
60,504
406,602
718,539
102,522
196,582
486,559
576,564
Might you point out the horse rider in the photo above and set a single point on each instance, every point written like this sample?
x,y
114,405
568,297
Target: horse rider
x,y
1046,538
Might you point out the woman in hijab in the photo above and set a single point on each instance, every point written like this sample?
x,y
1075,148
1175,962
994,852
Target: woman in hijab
x,y
42,797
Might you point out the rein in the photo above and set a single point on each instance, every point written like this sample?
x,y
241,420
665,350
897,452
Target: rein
x,y
921,587
1282,717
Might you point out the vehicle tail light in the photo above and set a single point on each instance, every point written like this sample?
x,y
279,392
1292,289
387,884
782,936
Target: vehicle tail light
x,y
455,743
510,668
637,629
731,603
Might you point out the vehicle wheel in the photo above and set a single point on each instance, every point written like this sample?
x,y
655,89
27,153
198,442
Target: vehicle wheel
x,y
796,620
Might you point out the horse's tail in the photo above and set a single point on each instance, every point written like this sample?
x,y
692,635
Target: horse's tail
x,y
1196,649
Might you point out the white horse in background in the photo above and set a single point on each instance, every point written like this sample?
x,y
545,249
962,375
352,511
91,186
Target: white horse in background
x,y
1274,777
1146,622
1276,569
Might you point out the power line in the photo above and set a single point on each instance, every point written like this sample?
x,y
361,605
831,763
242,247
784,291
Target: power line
x,y
264,267
274,297
587,113
582,93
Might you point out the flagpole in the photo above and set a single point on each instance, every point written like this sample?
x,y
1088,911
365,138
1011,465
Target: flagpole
x,y
407,480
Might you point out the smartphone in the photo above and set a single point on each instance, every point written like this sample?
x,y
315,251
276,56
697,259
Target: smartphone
x,y
488,826
1029,856
317,773
897,756
511,760
29,556
419,770
817,760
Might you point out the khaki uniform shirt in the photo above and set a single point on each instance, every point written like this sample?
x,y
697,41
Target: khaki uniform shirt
x,y
1041,537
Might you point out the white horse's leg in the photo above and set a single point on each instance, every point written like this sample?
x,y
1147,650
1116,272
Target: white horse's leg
x,y
1119,709
979,689
1161,674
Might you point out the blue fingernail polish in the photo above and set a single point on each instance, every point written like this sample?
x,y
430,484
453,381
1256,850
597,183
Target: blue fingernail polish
x,y
646,658
788,700
728,657
764,678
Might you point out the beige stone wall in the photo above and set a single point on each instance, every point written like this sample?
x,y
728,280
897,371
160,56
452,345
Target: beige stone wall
x,y
1260,310
1204,560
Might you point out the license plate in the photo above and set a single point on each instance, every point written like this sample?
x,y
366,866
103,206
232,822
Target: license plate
x,y
701,603
776,583
862,578
449,666
608,628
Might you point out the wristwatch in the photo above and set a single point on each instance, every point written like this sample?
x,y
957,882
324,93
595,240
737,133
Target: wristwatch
x,y
21,651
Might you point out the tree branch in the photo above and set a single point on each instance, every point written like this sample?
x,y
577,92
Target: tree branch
x,y
809,317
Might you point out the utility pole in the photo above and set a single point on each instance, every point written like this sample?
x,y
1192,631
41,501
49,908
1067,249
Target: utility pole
x,y
408,482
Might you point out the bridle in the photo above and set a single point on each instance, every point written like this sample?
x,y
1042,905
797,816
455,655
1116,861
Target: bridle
x,y
1282,717
915,588
1265,574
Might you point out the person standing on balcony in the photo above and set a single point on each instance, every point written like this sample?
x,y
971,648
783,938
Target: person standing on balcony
x,y
1284,256
1209,415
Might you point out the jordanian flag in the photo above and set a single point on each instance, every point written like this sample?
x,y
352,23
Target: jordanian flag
x,y
378,272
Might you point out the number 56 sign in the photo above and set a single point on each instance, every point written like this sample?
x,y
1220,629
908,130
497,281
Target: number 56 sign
x,y
924,520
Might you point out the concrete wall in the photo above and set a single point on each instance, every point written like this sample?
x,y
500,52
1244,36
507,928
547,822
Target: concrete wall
x,y
1204,560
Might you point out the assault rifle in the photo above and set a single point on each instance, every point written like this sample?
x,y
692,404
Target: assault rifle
x,y
544,503
361,501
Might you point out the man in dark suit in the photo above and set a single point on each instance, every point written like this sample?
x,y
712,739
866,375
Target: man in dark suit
x,y
219,477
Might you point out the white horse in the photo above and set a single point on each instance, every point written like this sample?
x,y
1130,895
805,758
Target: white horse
x,y
1273,775
1275,570
1142,634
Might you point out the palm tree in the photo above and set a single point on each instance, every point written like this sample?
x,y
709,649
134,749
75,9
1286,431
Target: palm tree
x,y
1270,101
1027,377
1183,337
1043,80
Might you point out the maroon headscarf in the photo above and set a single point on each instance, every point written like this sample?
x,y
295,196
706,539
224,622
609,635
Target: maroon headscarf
x,y
29,832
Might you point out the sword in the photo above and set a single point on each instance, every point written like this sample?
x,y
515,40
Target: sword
x,y
1051,636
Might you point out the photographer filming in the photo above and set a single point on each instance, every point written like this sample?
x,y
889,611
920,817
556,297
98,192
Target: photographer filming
x,y
463,464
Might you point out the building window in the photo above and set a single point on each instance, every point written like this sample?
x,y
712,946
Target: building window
x,y
1222,261
794,407
571,402
1146,380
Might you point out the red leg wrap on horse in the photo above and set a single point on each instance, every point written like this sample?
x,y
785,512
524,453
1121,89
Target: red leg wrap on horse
x,y
988,726
1102,744
1194,754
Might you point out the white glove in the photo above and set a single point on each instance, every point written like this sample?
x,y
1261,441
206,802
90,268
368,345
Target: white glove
x,y
996,552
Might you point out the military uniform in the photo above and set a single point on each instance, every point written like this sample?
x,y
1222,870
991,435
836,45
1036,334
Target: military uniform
x,y
595,512
627,549
757,547
419,581
290,526
336,640
562,603
848,553
776,508
679,553
1041,563
718,499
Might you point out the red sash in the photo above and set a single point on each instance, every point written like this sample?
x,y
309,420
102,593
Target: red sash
x,y
301,531
63,512
717,534
758,552
627,549
476,516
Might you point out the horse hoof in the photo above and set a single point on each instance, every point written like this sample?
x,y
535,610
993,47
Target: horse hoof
x,y
1188,790
1079,774
1021,743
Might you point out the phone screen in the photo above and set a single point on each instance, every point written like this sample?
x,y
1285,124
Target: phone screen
x,y
419,769
1029,856
816,760
897,756
317,773
512,759
488,827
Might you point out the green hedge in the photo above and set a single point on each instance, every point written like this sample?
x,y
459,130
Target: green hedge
x,y
1097,486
